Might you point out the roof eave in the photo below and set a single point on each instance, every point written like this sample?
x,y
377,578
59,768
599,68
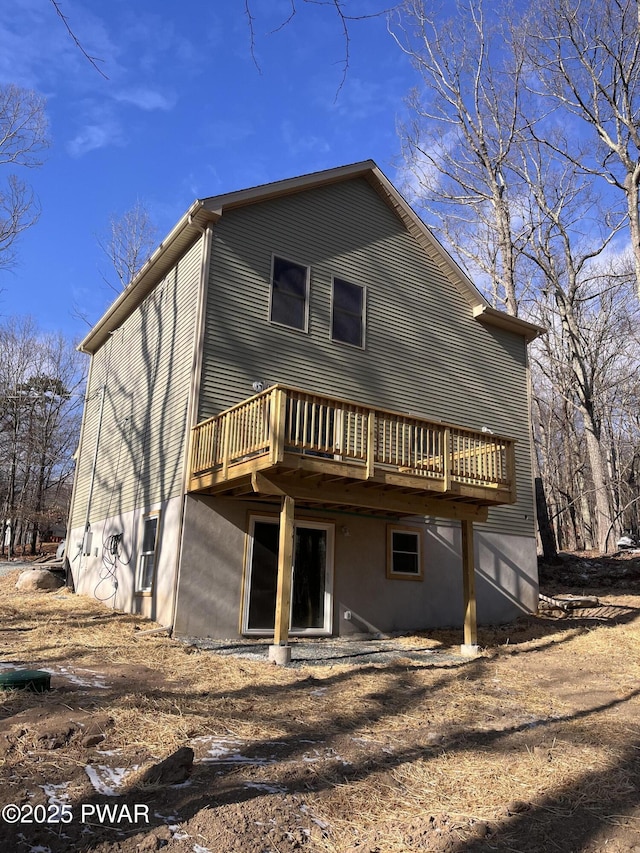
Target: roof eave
x,y
185,231
493,317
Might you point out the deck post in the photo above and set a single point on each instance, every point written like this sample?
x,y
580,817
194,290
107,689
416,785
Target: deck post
x,y
226,429
280,651
470,645
277,425
446,459
371,444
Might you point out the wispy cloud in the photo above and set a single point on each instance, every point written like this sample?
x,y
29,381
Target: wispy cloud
x,y
96,135
22,31
36,50
146,99
132,49
417,174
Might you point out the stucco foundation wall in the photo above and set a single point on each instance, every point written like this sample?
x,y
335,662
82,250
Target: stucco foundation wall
x,y
94,574
212,563
211,567
506,580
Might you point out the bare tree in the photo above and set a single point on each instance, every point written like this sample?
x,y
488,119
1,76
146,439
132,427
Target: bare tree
x,y
582,306
464,126
492,168
586,57
129,242
40,403
23,139
589,447
621,416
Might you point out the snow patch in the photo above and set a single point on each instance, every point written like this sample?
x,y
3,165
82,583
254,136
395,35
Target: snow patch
x,y
94,679
174,829
227,751
107,780
56,794
327,754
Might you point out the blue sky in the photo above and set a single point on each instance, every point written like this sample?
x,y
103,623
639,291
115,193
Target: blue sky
x,y
184,114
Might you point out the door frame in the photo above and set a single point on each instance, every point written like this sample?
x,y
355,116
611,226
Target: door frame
x,y
327,629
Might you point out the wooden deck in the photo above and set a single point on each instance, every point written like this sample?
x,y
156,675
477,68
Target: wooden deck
x,y
323,450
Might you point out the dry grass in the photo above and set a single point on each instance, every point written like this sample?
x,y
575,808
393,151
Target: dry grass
x,y
548,717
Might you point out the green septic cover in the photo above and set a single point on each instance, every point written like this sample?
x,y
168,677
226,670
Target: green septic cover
x,y
26,679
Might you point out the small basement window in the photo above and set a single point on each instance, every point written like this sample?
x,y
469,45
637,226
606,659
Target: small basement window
x,y
289,294
348,313
404,553
147,557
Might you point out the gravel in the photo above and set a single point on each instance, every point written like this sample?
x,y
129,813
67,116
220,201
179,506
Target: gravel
x,y
330,651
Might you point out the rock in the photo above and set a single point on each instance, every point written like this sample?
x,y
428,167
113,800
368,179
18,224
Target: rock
x,y
92,740
174,769
33,580
94,730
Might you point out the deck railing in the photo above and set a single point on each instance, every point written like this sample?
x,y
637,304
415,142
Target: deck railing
x,y
287,420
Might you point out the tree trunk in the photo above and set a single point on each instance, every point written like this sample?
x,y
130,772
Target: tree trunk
x,y
585,530
631,190
604,519
547,539
34,538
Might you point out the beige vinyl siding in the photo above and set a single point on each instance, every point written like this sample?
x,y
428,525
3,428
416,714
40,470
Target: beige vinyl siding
x,y
145,368
424,352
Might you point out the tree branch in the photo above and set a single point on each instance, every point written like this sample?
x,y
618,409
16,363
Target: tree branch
x,y
94,60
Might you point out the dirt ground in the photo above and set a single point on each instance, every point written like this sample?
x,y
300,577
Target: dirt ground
x,y
532,746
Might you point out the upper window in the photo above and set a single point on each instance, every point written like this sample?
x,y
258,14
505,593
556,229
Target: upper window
x,y
404,553
347,314
289,294
147,556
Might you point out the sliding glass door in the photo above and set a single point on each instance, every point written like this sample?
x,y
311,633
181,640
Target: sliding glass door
x,y
311,582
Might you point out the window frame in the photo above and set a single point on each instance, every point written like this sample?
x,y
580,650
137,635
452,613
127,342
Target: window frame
x,y
140,562
307,269
419,535
363,312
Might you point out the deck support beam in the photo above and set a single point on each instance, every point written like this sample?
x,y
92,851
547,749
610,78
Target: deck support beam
x,y
280,651
354,495
470,645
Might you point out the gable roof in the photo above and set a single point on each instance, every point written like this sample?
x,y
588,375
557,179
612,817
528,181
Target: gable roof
x,y
209,210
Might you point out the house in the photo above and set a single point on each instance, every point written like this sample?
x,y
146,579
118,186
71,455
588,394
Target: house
x,y
301,374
